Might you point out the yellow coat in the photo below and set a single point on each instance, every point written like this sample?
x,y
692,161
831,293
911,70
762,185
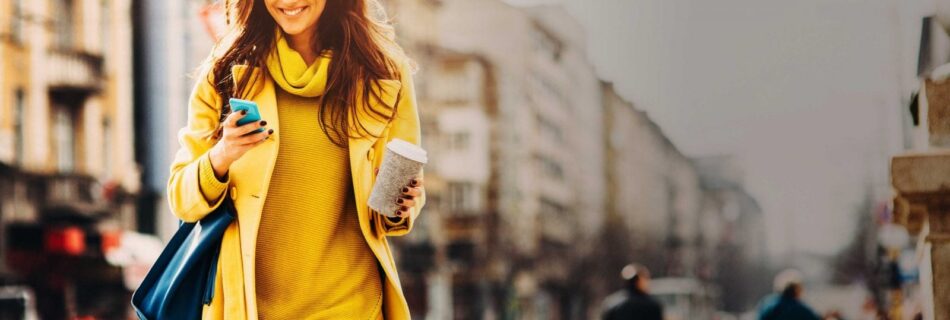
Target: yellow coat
x,y
235,294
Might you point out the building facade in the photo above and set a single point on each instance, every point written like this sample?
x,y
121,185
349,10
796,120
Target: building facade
x,y
68,179
681,217
546,157
172,39
731,239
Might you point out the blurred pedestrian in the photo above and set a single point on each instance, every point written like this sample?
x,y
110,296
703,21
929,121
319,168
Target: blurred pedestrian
x,y
634,301
785,303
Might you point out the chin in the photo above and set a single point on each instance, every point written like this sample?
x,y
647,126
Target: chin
x,y
293,29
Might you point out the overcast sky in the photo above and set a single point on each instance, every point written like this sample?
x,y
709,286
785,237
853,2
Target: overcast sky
x,y
803,93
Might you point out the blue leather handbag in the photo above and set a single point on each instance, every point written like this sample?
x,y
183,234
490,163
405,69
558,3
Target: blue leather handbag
x,y
182,279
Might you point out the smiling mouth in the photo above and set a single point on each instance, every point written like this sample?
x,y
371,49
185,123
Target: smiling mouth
x,y
293,12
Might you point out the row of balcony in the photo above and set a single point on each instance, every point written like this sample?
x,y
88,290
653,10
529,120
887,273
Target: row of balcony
x,y
73,70
61,195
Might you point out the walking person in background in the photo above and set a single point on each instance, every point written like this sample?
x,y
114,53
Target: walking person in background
x,y
786,303
633,302
332,88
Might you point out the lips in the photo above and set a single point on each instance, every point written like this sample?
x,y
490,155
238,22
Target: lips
x,y
292,12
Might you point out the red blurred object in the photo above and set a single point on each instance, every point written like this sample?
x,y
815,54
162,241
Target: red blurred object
x,y
111,240
68,240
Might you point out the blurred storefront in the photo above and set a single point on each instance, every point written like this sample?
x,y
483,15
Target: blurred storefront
x,y
68,182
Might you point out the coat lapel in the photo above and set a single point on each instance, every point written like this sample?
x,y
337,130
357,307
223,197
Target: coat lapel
x,y
251,176
363,151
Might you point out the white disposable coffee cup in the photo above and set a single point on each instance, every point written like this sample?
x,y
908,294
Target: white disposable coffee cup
x,y
402,162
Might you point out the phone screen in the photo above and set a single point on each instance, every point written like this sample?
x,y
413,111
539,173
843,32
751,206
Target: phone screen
x,y
253,114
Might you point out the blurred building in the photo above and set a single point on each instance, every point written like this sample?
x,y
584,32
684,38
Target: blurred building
x,y
459,218
654,190
68,180
653,199
731,246
546,182
171,40
565,92
680,217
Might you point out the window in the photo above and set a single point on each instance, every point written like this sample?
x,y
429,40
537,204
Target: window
x,y
107,147
546,87
65,137
547,44
458,141
18,117
550,207
464,197
104,28
16,22
549,129
551,168
455,83
63,17
461,252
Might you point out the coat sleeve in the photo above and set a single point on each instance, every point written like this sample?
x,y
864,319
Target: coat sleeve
x,y
405,126
193,189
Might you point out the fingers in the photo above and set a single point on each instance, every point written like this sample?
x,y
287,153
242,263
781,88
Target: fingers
x,y
249,128
407,201
232,119
253,138
412,191
402,212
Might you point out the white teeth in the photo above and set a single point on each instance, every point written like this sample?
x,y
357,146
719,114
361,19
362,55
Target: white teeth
x,y
292,12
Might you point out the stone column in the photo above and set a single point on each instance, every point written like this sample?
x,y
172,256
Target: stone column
x,y
922,182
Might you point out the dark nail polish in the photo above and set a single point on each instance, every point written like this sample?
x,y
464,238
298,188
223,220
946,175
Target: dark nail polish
x,y
271,131
400,201
243,112
263,123
405,189
404,208
415,182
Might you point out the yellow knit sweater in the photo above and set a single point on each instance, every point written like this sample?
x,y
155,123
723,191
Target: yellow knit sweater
x,y
312,260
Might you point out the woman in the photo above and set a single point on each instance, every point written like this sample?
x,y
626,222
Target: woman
x,y
332,88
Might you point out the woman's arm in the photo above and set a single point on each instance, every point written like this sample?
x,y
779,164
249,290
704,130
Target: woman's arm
x,y
405,126
193,188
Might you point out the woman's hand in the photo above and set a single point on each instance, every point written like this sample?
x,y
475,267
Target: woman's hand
x,y
236,141
408,200
409,193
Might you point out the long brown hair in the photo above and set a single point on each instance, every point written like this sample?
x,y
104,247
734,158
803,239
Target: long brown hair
x,y
363,48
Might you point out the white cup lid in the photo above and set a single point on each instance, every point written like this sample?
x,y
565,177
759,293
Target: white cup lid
x,y
408,150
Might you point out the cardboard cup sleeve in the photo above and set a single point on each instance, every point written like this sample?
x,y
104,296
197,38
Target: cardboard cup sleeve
x,y
402,162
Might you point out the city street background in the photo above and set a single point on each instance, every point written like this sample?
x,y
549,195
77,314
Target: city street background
x,y
717,143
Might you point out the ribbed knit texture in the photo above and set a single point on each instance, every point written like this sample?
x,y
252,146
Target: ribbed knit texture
x,y
211,187
312,260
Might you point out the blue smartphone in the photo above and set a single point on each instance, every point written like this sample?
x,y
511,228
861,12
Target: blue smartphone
x,y
253,114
